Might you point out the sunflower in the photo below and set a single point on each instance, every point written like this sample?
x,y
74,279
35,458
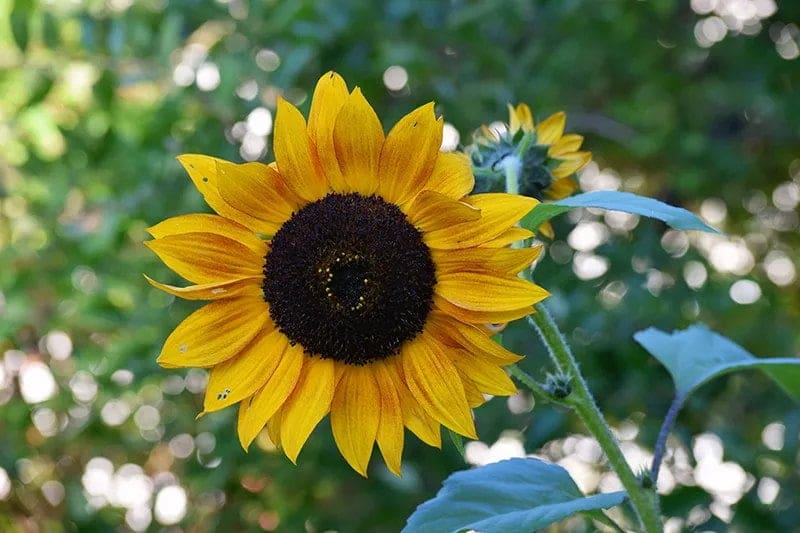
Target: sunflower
x,y
353,278
550,161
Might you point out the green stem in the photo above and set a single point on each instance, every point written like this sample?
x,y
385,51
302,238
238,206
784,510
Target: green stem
x,y
644,501
534,386
511,167
582,401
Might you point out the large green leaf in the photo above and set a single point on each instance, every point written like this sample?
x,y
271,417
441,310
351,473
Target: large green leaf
x,y
697,354
675,217
508,496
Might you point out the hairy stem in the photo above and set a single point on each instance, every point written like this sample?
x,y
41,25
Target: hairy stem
x,y
534,386
582,401
661,442
644,501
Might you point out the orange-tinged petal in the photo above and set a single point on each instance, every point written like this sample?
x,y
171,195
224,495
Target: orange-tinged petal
x,y
500,260
434,382
205,223
409,155
308,403
259,191
487,292
551,129
565,145
241,376
499,212
451,175
207,258
571,164
213,291
358,140
202,169
268,401
509,236
480,317
296,155
329,97
432,210
390,430
214,333
355,415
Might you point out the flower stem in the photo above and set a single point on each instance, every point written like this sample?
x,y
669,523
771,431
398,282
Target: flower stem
x,y
534,386
511,168
644,501
582,401
661,442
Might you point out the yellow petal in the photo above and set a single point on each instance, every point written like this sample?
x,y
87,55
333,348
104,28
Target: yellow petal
x,y
480,317
267,401
520,117
259,191
274,428
329,97
214,333
205,223
409,155
207,257
474,395
509,236
550,129
202,169
565,145
486,292
358,138
486,375
500,260
308,403
295,154
241,414
572,164
560,188
355,415
469,338
241,376
546,229
499,212
213,291
452,175
434,382
417,420
390,430
431,211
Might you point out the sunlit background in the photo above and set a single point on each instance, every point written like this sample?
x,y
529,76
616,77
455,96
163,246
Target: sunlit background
x,y
694,102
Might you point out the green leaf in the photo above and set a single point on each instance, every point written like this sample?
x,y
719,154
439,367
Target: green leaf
x,y
20,23
509,496
697,354
675,217
458,441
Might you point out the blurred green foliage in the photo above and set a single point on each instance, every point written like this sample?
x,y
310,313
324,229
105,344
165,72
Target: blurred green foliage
x,y
98,97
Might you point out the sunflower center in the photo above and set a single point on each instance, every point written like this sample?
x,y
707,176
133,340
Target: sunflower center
x,y
349,278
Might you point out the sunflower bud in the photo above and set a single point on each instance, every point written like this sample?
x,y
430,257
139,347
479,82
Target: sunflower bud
x,y
548,158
